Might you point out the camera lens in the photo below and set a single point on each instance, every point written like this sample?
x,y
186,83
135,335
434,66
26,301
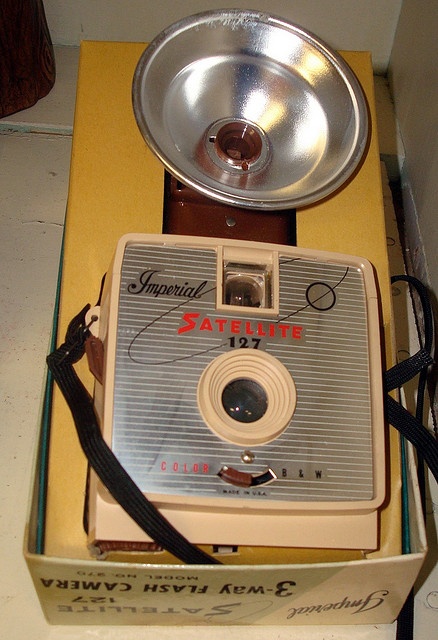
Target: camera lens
x,y
243,291
244,400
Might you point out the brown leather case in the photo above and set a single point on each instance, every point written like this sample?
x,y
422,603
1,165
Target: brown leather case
x,y
187,212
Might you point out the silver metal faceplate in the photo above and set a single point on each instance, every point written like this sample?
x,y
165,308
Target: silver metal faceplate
x,y
169,330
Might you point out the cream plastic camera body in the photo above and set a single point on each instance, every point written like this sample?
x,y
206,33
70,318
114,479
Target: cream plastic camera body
x,y
242,390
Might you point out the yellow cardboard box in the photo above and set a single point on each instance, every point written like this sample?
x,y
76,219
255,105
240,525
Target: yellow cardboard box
x,y
116,187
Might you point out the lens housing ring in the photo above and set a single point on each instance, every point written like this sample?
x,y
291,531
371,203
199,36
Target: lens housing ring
x,y
266,371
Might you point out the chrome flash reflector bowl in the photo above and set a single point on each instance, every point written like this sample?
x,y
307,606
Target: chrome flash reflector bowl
x,y
250,110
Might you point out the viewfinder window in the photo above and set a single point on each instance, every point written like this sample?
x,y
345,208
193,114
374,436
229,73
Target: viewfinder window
x,y
246,285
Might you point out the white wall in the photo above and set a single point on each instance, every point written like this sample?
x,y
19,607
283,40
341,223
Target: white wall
x,y
344,24
414,80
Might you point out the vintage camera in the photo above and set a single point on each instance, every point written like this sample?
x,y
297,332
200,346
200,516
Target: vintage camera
x,y
242,392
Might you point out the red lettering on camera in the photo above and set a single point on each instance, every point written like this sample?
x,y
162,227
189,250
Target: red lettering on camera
x,y
184,467
194,321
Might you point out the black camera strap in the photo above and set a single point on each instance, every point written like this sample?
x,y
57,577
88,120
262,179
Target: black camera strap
x,y
100,457
411,427
126,492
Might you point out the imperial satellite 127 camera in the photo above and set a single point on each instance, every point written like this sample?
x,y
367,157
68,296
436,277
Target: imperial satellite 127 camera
x,y
242,386
242,392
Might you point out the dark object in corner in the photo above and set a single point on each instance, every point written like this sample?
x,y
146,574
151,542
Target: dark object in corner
x,y
27,62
